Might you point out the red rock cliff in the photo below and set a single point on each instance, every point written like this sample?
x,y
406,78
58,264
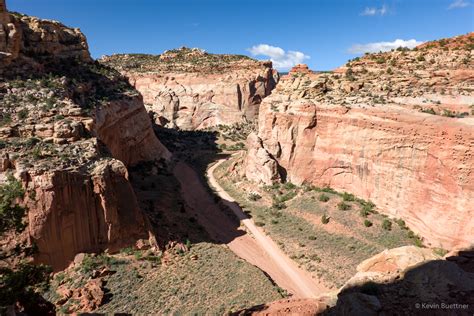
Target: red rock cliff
x,y
191,89
412,165
74,129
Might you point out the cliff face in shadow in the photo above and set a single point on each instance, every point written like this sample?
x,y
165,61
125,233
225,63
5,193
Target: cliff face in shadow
x,y
69,129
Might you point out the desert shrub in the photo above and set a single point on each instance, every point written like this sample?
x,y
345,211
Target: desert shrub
x,y
387,224
348,197
22,114
254,196
328,190
278,205
367,223
429,111
323,197
440,251
289,186
401,223
343,206
315,257
32,141
260,224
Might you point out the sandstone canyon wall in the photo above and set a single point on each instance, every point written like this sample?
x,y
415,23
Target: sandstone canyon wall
x,y
69,129
191,89
341,130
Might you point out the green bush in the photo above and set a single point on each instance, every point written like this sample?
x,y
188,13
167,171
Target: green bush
x,y
11,214
254,196
401,223
387,224
289,186
348,197
343,206
367,223
328,190
22,114
278,205
323,198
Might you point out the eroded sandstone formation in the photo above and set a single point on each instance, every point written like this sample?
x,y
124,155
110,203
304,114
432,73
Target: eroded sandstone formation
x,y
191,89
374,140
404,277
70,127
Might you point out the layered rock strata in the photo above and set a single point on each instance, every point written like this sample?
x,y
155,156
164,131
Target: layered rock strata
x,y
413,165
69,129
191,89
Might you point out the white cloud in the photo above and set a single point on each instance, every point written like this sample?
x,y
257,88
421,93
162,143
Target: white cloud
x,y
459,4
382,46
281,59
371,11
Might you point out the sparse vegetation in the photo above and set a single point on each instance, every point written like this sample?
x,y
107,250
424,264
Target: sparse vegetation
x,y
323,197
343,206
323,230
387,224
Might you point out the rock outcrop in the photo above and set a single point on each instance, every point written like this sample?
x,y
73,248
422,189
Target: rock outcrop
x,y
70,127
326,130
29,41
409,279
191,89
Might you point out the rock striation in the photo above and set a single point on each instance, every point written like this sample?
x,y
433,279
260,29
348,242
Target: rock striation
x,y
334,130
191,89
69,128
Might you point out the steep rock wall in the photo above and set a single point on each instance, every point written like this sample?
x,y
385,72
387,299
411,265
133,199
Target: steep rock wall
x,y
74,128
76,212
413,166
194,97
365,132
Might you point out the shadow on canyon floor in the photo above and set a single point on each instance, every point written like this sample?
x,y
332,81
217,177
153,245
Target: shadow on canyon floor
x,y
180,204
438,287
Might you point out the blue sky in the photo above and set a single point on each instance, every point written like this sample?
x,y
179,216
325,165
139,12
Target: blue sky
x,y
322,33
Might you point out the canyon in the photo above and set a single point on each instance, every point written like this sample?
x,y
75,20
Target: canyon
x,y
362,130
140,194
190,89
69,142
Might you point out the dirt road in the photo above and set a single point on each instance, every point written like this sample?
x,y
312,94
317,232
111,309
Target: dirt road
x,y
257,248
